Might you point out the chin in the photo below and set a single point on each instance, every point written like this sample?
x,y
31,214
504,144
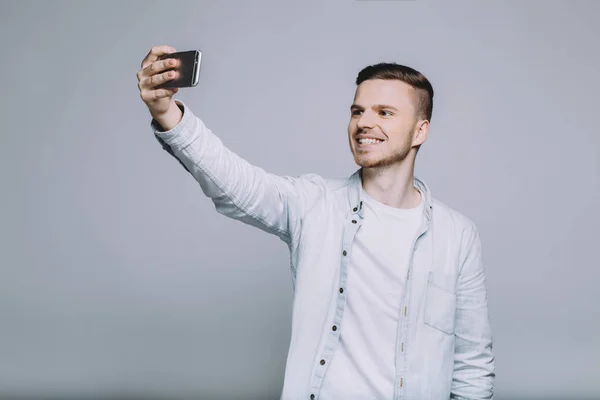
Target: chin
x,y
369,162
372,161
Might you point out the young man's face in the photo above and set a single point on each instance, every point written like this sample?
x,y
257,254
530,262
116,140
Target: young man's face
x,y
383,110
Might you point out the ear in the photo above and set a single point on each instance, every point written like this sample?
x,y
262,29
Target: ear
x,y
420,133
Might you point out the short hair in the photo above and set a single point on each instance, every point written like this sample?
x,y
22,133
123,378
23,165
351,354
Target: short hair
x,y
391,71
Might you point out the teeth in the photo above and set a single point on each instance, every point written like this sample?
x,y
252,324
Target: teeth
x,y
369,141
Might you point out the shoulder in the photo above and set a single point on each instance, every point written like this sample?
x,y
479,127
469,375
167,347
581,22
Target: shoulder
x,y
311,187
318,189
454,223
324,184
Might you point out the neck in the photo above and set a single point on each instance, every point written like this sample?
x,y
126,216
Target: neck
x,y
392,185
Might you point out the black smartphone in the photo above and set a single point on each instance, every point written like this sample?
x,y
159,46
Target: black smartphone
x,y
188,69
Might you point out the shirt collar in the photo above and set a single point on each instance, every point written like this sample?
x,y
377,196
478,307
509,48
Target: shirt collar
x,y
356,197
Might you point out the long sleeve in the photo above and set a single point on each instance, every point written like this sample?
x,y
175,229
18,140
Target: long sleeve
x,y
474,363
238,189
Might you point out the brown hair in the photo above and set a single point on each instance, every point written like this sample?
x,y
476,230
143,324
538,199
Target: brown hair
x,y
389,71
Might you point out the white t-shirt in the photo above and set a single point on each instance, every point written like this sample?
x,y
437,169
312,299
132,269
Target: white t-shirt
x,y
363,365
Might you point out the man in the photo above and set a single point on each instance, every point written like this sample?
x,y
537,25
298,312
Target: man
x,y
389,290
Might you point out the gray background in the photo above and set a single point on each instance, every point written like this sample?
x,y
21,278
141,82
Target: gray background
x,y
118,276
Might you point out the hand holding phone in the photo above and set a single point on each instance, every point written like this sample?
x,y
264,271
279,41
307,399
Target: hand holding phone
x,y
188,69
156,88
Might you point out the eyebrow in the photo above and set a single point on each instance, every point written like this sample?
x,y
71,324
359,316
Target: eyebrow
x,y
376,106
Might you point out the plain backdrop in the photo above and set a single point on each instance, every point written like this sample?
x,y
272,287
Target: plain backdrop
x,y
117,275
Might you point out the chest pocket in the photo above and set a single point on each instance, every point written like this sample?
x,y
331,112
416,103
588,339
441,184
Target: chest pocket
x,y
440,308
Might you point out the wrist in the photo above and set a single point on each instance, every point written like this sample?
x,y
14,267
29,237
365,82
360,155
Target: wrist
x,y
171,118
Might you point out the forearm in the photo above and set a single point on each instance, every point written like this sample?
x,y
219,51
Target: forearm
x,y
474,363
238,189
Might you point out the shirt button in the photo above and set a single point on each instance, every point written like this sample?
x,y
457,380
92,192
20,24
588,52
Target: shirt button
x,y
322,362
344,252
312,396
334,328
353,221
354,209
341,290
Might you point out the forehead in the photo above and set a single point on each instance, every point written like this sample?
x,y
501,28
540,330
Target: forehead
x,y
378,91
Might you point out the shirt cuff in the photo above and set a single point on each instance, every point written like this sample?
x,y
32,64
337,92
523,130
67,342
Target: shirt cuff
x,y
182,134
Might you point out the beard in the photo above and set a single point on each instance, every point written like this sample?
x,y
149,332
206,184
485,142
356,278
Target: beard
x,y
385,154
381,159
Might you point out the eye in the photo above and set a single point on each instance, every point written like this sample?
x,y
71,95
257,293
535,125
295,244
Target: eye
x,y
387,112
356,112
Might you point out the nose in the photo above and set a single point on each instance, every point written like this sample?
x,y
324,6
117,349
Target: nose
x,y
366,121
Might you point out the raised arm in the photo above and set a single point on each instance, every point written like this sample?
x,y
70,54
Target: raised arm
x,y
238,189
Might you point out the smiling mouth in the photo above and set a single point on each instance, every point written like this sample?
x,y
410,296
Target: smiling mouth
x,y
363,141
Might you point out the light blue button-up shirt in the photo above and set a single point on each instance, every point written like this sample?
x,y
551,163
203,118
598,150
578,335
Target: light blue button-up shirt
x,y
444,341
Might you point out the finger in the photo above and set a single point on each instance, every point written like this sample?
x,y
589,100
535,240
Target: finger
x,y
153,95
161,78
156,52
159,66
155,80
